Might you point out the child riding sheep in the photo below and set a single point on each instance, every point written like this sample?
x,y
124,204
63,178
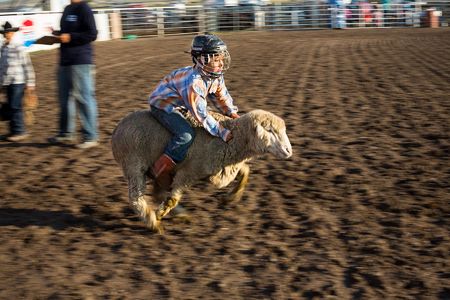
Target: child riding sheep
x,y
187,90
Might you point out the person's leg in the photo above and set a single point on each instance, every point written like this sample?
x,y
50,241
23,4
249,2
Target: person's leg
x,y
84,93
15,97
175,152
66,103
182,133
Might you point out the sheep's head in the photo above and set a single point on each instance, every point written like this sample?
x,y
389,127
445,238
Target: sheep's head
x,y
271,134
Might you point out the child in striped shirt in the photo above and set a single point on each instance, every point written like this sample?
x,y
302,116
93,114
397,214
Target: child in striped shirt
x,y
189,89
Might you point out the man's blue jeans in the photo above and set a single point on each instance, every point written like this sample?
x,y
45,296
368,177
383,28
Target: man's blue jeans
x,y
182,133
77,86
15,93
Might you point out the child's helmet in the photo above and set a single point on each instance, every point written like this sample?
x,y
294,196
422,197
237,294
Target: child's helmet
x,y
204,48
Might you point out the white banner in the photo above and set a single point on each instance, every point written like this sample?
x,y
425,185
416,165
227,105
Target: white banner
x,y
34,26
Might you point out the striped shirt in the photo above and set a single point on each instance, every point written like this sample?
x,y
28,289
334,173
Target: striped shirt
x,y
186,89
15,66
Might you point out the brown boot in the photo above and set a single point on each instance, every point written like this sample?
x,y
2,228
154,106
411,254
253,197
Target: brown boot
x,y
162,170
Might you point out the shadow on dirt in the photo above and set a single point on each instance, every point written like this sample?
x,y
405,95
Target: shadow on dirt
x,y
58,220
33,145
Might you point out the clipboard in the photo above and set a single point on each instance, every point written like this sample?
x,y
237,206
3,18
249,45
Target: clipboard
x,y
47,40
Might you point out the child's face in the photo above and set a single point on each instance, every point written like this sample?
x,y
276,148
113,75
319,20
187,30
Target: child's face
x,y
8,36
216,63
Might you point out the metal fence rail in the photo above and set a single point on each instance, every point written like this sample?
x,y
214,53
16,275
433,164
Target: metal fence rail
x,y
160,21
377,15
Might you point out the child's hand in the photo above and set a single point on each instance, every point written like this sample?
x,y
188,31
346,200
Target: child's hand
x,y
229,137
234,116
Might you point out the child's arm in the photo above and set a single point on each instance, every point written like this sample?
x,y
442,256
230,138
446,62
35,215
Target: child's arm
x,y
27,69
198,108
223,101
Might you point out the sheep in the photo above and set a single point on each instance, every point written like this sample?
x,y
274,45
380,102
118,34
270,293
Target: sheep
x,y
138,141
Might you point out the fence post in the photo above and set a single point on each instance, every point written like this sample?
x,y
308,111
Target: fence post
x,y
116,25
210,20
294,18
201,20
260,21
314,15
417,9
160,22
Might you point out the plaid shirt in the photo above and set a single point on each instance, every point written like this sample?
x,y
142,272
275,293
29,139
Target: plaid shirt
x,y
186,89
15,66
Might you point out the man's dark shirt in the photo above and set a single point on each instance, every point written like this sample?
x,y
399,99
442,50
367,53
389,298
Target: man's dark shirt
x,y
78,21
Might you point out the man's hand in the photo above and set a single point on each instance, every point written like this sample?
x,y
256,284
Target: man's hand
x,y
234,116
64,38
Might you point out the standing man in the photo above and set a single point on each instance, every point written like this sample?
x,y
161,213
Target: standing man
x,y
76,80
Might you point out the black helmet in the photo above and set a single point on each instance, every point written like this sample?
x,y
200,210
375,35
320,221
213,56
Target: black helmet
x,y
205,48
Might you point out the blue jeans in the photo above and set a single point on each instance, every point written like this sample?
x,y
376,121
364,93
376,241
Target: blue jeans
x,y
15,94
77,86
182,133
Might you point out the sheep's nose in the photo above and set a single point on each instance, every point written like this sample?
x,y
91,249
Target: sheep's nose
x,y
288,151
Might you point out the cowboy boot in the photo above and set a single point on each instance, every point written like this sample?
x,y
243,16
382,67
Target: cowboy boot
x,y
162,171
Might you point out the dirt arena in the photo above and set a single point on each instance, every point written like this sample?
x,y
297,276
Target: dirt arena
x,y
361,210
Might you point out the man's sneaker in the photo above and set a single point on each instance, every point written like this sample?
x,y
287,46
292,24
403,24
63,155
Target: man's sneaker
x,y
61,139
17,137
4,137
87,144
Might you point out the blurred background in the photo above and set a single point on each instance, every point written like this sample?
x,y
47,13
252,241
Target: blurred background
x,y
132,19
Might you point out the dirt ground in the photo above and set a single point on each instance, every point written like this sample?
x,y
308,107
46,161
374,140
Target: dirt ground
x,y
361,210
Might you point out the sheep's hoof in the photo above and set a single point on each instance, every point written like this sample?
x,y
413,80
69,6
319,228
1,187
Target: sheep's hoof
x,y
180,214
231,198
156,228
153,223
235,197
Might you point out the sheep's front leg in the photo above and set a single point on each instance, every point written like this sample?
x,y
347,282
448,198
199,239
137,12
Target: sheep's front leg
x,y
136,192
238,190
168,204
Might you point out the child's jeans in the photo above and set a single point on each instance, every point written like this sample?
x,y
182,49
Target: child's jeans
x,y
15,94
182,133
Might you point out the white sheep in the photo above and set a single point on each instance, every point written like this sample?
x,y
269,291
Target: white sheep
x,y
138,141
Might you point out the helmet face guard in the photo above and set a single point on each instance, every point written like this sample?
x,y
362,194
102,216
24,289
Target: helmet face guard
x,y
213,65
210,55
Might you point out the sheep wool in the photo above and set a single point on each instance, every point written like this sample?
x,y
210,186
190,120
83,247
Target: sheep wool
x,y
138,141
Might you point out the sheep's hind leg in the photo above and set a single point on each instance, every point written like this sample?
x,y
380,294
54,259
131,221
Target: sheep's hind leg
x,y
136,191
237,192
159,194
178,212
168,204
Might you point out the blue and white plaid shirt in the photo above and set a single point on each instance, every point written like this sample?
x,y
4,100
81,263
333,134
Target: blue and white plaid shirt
x,y
186,88
15,66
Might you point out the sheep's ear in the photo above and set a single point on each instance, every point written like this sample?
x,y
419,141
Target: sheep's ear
x,y
260,131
